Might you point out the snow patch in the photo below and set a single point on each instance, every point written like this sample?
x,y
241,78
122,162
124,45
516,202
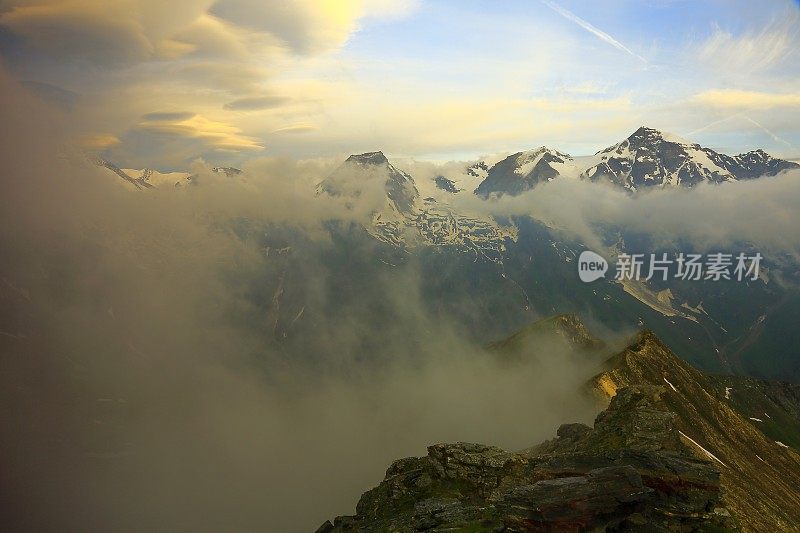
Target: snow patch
x,y
711,455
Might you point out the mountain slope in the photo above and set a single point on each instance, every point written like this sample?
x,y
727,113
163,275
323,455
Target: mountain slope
x,y
588,479
772,406
669,453
761,478
562,331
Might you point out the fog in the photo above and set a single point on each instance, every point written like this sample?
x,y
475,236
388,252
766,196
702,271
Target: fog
x,y
140,391
145,384
760,212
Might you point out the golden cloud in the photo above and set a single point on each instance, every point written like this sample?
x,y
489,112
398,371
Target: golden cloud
x,y
217,134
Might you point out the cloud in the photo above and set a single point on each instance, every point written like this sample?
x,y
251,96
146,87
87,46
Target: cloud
x,y
79,32
98,141
260,67
143,377
295,128
168,116
212,37
114,33
171,141
218,134
253,103
761,212
738,99
231,77
58,95
307,26
753,50
125,56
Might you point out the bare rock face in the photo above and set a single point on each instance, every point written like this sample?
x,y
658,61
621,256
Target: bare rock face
x,y
629,473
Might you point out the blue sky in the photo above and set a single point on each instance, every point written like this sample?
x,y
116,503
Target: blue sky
x,y
230,80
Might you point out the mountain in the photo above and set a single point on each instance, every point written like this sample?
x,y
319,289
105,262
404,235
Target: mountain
x,y
496,273
406,219
228,171
359,171
140,182
667,453
522,171
152,179
647,158
465,181
752,463
446,184
651,158
565,331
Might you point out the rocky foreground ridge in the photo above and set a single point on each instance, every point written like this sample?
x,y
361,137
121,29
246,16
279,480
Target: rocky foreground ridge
x,y
670,452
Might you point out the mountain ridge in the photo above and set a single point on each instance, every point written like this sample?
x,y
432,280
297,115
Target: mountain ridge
x,y
667,453
646,158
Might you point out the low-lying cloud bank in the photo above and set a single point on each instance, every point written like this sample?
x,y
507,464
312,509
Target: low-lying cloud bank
x,y
762,212
137,388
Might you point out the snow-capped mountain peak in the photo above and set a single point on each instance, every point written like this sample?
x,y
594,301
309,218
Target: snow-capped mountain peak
x,y
650,157
522,171
646,136
359,170
647,158
405,218
369,158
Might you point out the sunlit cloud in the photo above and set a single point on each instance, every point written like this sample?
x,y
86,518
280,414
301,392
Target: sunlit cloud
x,y
219,135
98,141
252,103
295,128
732,98
405,76
755,50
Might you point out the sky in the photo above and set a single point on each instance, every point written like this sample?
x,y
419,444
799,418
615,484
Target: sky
x,y
155,84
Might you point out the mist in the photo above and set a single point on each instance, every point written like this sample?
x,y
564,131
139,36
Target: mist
x,y
143,386
760,212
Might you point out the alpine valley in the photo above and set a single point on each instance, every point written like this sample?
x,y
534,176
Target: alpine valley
x,y
492,272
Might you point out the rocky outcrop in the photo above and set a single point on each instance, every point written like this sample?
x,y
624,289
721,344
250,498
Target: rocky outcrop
x,y
675,449
760,478
630,472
